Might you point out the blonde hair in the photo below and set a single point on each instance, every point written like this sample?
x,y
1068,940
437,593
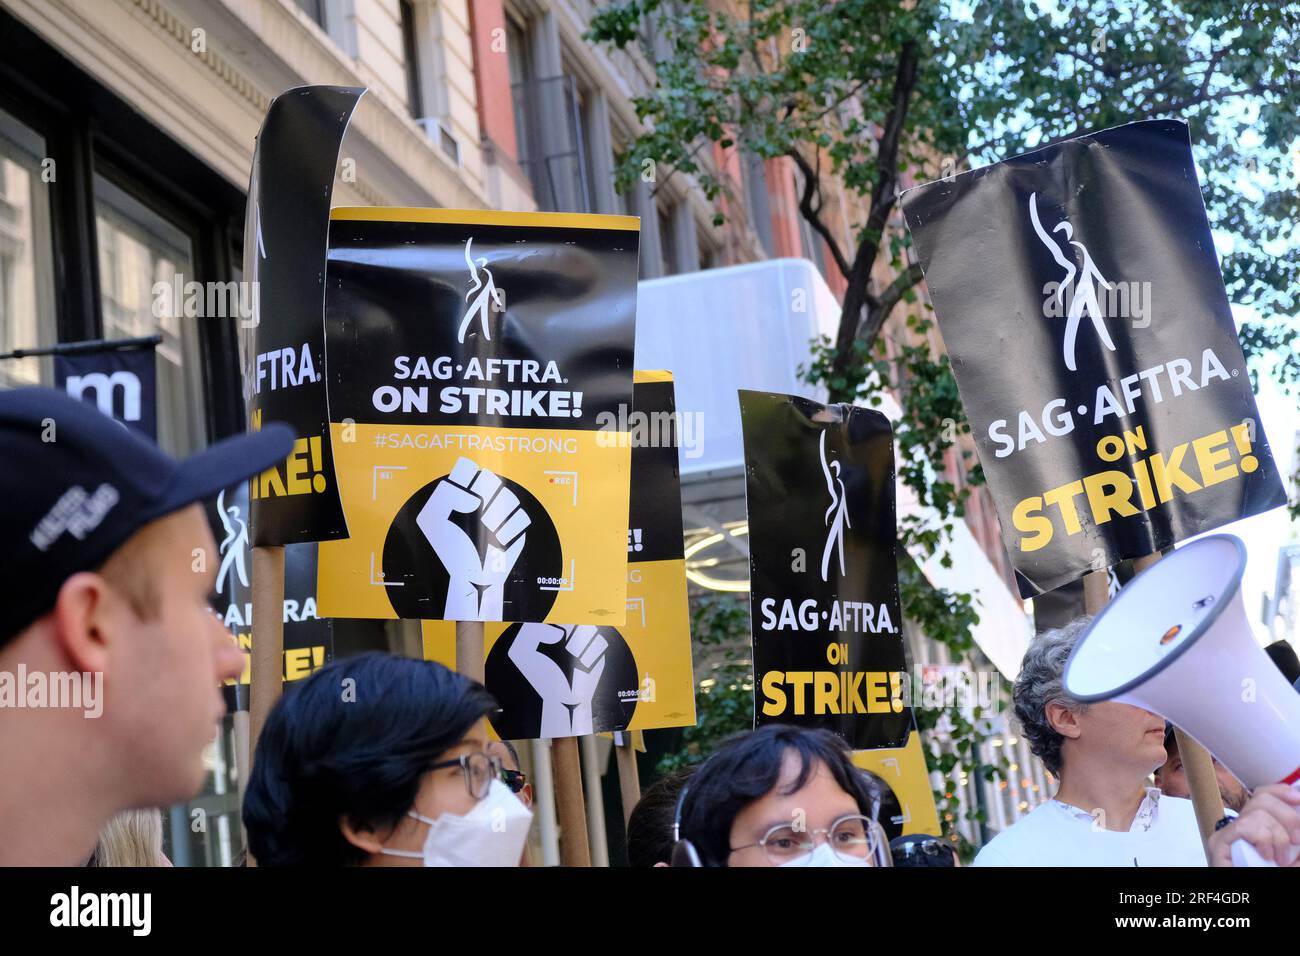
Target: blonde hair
x,y
132,838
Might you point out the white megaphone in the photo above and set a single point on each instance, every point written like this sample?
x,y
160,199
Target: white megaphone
x,y
1176,641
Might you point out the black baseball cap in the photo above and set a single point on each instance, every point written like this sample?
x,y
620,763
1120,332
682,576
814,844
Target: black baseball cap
x,y
75,484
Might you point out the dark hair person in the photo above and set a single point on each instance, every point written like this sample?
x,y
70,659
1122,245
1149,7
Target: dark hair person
x,y
1284,656
377,760
650,825
782,796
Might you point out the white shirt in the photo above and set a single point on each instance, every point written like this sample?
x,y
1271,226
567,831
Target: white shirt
x,y
1164,833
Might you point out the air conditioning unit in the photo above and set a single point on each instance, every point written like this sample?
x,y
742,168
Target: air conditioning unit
x,y
439,132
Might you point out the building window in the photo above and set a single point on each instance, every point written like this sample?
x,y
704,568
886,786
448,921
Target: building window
x,y
410,49
137,249
314,9
335,17
26,254
520,67
553,154
548,118
427,97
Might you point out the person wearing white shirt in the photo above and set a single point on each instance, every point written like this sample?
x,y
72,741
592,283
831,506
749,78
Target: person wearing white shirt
x,y
1105,813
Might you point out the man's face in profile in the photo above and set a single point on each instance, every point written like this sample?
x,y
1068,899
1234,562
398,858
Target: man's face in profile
x,y
167,663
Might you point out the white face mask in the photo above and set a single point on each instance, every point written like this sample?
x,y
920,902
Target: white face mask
x,y
491,834
823,855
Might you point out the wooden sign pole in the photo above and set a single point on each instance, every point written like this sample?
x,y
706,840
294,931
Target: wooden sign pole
x,y
1201,780
266,676
572,809
629,778
469,649
267,669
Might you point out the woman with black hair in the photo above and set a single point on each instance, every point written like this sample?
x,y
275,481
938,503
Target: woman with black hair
x,y
650,824
781,796
378,760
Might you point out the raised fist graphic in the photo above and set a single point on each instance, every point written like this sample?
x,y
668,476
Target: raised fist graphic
x,y
566,704
477,581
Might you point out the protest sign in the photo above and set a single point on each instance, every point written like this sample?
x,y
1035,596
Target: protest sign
x,y
828,646
1080,299
282,339
909,805
555,680
308,639
478,363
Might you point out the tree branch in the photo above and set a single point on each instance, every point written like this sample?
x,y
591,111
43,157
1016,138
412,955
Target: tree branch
x,y
1209,71
847,95
884,195
659,184
811,186
880,307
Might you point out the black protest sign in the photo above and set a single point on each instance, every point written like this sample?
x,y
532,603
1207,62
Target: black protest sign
x,y
655,510
828,646
1079,295
308,641
122,383
479,365
285,239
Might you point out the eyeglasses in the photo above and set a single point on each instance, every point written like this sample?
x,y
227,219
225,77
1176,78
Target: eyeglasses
x,y
516,780
851,838
479,770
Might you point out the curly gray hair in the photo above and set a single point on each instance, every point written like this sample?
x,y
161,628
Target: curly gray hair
x,y
1040,683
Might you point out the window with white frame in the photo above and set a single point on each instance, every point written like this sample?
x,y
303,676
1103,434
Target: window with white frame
x,y
138,247
427,93
336,18
26,257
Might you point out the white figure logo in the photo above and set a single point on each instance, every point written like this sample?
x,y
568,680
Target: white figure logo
x,y
257,217
234,546
837,515
476,586
485,295
1083,295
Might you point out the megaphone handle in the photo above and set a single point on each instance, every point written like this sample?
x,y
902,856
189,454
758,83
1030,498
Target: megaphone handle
x,y
1243,854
